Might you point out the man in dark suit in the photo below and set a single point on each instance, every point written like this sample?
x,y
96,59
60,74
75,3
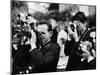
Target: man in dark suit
x,y
83,52
45,58
31,58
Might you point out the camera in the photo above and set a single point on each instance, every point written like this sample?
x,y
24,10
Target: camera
x,y
72,27
24,33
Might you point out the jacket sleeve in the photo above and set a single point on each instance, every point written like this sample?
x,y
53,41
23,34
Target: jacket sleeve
x,y
51,55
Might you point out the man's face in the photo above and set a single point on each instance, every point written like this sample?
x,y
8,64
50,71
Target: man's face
x,y
23,16
80,25
44,35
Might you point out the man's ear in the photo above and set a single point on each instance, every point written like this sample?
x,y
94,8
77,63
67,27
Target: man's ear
x,y
51,33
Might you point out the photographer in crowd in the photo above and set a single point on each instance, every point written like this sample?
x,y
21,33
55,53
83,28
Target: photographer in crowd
x,y
46,58
82,55
20,46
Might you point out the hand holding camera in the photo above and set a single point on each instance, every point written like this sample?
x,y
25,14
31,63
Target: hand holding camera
x,y
32,41
73,32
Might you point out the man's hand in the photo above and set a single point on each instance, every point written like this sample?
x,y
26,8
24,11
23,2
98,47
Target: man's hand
x,y
33,40
73,34
30,21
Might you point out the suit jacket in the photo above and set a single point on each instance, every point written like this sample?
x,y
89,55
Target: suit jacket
x,y
21,59
45,59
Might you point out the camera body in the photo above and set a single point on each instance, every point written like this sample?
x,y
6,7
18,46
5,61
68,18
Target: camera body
x,y
72,27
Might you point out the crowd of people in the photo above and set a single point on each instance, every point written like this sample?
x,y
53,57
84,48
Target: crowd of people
x,y
39,40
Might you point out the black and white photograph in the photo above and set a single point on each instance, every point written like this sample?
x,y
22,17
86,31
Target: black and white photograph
x,y
51,37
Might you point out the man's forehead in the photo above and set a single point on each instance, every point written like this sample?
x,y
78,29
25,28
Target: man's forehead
x,y
42,27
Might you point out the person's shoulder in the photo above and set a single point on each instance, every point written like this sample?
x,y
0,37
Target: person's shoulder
x,y
92,29
53,45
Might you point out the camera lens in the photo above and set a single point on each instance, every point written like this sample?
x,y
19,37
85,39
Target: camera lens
x,y
72,27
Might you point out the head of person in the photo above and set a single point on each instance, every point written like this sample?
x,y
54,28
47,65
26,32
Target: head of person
x,y
80,20
60,20
44,29
23,12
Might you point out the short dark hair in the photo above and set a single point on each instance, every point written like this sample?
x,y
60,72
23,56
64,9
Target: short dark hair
x,y
80,16
53,6
45,22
